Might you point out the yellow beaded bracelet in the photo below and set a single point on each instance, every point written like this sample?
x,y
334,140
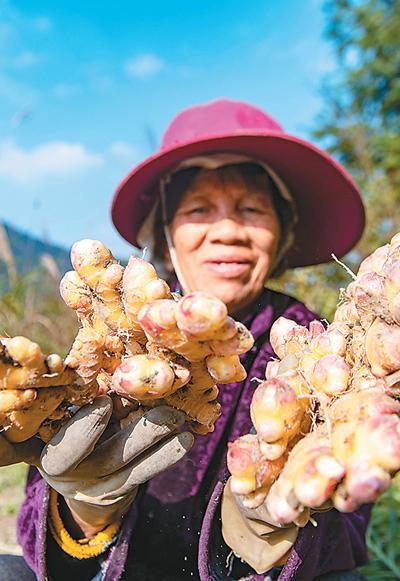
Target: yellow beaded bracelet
x,y
81,548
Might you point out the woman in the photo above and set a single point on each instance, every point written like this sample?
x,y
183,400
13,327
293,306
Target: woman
x,y
227,201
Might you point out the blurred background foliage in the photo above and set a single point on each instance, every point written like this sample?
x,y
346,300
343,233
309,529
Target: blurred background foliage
x,y
360,126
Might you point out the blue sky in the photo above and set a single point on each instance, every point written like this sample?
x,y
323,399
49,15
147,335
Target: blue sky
x,y
86,89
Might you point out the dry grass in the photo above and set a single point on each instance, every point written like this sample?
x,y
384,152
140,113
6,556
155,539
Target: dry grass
x,y
12,479
32,307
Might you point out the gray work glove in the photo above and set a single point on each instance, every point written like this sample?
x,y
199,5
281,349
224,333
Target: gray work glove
x,y
99,482
252,534
28,451
98,471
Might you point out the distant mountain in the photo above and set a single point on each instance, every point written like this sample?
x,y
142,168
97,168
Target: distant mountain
x,y
27,253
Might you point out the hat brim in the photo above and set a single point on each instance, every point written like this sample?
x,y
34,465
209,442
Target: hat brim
x,y
331,215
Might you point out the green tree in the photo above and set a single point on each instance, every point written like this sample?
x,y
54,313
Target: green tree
x,y
363,106
360,126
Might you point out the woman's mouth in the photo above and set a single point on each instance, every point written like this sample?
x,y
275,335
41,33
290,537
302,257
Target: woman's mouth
x,y
231,267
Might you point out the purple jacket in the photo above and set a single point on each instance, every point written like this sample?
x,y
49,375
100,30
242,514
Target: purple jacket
x,y
172,531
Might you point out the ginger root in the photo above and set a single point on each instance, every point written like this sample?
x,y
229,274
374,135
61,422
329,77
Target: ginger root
x,y
144,344
36,390
137,341
327,403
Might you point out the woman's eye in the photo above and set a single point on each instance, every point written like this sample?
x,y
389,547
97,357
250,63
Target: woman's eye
x,y
197,210
251,209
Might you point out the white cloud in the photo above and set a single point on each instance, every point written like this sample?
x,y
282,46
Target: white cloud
x,y
123,150
143,65
55,158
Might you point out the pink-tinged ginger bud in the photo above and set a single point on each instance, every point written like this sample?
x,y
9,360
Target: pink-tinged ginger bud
x,y
271,369
227,331
275,410
392,277
360,405
282,505
382,347
365,482
225,369
287,337
274,450
313,458
342,501
315,484
112,275
296,381
143,377
377,440
242,342
75,293
200,314
309,477
288,364
330,342
246,464
346,313
157,289
158,319
316,328
89,258
375,261
331,375
307,361
367,291
395,243
137,275
394,308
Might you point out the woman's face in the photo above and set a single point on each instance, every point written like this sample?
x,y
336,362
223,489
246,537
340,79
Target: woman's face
x,y
226,233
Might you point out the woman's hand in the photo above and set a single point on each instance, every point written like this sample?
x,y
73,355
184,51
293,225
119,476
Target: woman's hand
x,y
28,451
98,476
262,514
253,535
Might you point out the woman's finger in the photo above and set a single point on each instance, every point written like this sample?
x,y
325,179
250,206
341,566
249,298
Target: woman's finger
x,y
77,438
28,451
154,461
145,430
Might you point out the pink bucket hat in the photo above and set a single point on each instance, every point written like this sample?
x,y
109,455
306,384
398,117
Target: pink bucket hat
x,y
329,207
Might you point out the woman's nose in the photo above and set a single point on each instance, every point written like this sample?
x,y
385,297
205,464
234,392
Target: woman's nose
x,y
227,231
